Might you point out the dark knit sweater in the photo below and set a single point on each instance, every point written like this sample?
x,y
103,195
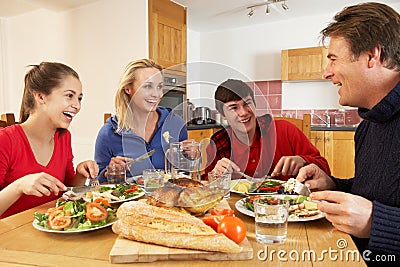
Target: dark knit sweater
x,y
377,172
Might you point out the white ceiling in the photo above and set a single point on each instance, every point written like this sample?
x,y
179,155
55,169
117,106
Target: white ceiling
x,y
215,15
10,8
207,15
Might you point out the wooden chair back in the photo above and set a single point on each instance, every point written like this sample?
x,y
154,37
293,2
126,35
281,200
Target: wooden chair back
x,y
9,118
303,124
3,124
106,116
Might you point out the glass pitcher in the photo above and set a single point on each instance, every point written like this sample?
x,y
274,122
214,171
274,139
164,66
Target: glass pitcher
x,y
183,159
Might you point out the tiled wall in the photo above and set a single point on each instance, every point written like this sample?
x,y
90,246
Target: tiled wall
x,y
271,92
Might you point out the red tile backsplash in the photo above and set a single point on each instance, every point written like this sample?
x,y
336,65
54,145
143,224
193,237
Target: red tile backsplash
x,y
271,91
261,88
275,101
275,87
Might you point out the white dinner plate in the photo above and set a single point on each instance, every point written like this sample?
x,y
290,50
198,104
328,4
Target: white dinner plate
x,y
140,194
135,180
239,205
235,182
43,229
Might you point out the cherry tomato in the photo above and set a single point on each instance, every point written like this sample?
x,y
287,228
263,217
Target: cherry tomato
x,y
233,228
59,219
226,212
213,221
95,212
103,201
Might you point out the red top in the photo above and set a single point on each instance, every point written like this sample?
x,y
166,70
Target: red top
x,y
275,138
17,160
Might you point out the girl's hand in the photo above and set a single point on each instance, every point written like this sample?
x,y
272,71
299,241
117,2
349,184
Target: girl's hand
x,y
40,184
88,169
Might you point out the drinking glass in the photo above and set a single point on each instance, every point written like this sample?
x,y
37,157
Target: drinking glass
x,y
222,182
116,174
271,218
152,179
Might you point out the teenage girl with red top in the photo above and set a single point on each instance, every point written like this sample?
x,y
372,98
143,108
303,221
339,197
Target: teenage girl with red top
x,y
36,155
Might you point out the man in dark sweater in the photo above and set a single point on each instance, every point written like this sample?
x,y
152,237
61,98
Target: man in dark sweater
x,y
364,62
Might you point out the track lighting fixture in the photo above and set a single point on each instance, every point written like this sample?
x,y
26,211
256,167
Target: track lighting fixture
x,y
284,6
251,12
267,10
268,7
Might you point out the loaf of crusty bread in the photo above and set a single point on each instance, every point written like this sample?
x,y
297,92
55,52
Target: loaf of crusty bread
x,y
186,194
145,223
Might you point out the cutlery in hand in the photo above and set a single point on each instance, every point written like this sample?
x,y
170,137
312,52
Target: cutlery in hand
x,y
141,158
253,179
301,189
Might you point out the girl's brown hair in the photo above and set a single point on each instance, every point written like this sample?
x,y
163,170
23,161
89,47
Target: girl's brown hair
x,y
42,78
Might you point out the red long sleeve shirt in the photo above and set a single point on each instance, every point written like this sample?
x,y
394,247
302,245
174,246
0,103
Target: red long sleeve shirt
x,y
271,142
17,160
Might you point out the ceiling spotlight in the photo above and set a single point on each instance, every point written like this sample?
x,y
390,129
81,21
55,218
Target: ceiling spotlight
x,y
251,13
284,6
267,11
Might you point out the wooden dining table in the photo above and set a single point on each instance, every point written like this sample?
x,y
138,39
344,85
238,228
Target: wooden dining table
x,y
310,243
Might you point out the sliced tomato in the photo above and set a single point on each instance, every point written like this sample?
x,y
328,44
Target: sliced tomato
x,y
213,221
273,201
233,228
226,212
51,210
133,190
95,212
270,189
254,198
59,219
103,201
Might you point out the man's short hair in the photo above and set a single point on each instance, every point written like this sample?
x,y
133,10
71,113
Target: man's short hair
x,y
231,90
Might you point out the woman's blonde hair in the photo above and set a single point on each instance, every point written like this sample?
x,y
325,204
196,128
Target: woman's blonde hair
x,y
122,99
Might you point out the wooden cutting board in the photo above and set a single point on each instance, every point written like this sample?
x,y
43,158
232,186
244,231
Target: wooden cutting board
x,y
128,251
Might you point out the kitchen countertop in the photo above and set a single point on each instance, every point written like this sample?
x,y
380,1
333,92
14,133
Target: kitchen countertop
x,y
203,126
348,128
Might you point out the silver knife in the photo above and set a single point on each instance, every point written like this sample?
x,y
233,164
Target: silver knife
x,y
301,189
82,189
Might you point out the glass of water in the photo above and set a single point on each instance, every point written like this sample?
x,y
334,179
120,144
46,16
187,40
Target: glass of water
x,y
116,174
271,217
152,179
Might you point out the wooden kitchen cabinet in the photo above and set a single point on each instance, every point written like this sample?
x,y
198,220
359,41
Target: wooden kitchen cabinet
x,y
199,135
304,63
203,136
338,149
167,33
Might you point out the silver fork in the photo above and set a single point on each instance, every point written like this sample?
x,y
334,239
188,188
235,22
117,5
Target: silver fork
x,y
94,182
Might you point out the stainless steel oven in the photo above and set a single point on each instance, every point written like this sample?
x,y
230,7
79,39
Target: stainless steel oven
x,y
175,94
